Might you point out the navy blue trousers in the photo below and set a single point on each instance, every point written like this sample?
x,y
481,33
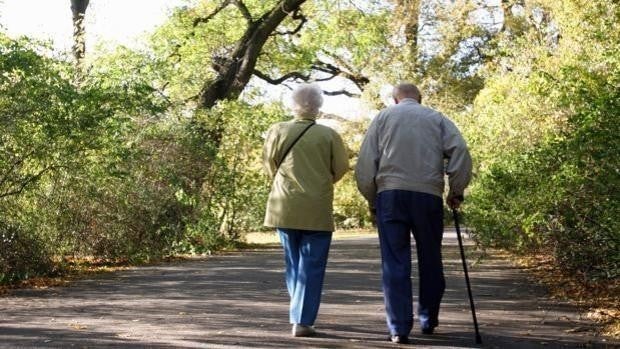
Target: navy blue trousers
x,y
305,253
399,214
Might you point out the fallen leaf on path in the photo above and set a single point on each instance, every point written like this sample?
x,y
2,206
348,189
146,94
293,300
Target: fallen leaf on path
x,y
77,326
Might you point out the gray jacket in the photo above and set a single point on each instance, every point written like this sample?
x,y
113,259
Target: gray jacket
x,y
406,147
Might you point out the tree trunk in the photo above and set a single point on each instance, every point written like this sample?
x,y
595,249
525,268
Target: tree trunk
x,y
407,14
236,71
78,8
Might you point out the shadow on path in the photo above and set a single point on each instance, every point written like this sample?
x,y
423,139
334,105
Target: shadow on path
x,y
239,301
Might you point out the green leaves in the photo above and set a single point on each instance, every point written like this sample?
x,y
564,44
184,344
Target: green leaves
x,y
545,137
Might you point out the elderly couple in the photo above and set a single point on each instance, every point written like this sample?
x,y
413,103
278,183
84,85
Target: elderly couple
x,y
400,171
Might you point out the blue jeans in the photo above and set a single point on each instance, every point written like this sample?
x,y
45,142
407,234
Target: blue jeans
x,y
305,253
400,213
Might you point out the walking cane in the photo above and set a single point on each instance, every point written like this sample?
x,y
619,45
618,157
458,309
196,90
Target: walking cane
x,y
471,299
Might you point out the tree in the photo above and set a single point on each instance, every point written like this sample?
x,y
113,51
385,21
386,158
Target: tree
x,y
235,71
543,131
78,9
56,139
407,15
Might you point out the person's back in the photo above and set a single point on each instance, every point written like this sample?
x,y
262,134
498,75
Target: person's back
x,y
405,148
410,138
305,179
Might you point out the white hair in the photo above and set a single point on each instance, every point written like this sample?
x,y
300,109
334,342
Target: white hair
x,y
307,100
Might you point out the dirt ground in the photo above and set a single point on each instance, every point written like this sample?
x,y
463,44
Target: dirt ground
x,y
238,300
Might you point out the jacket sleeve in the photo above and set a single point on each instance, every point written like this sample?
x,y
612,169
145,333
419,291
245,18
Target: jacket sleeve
x,y
368,164
340,158
269,152
459,164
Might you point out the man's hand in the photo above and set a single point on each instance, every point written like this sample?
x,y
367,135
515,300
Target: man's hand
x,y
454,202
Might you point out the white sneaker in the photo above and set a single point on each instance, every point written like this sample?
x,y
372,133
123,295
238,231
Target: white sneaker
x,y
303,331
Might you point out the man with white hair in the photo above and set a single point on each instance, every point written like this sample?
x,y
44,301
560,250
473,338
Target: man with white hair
x,y
400,171
304,160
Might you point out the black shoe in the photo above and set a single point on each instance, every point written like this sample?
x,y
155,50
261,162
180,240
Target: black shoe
x,y
399,339
427,330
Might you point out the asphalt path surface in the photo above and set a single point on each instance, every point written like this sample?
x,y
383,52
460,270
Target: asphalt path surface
x,y
239,300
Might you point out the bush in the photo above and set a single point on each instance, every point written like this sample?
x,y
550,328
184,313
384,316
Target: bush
x,y
22,254
559,192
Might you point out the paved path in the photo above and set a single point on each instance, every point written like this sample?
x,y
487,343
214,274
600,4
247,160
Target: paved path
x,y
239,301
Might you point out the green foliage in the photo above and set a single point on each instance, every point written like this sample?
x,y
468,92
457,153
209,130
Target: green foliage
x,y
350,207
57,137
234,190
548,164
22,255
46,122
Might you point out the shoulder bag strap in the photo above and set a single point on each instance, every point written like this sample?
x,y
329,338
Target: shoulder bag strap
x,y
292,144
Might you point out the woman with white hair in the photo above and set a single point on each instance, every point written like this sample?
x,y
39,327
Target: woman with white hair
x,y
304,160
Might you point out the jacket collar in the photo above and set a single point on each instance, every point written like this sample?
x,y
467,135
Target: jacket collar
x,y
408,101
304,118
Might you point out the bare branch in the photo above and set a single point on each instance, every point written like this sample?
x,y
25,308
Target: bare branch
x,y
197,21
359,80
288,86
342,92
302,77
325,79
27,181
277,81
357,7
297,15
19,161
200,20
244,10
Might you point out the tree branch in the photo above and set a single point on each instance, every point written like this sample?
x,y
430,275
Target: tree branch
x,y
359,80
302,77
27,181
16,163
277,81
357,7
342,92
339,60
234,76
297,15
197,21
244,10
200,20
78,9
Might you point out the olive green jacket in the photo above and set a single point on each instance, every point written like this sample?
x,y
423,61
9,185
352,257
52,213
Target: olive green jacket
x,y
302,192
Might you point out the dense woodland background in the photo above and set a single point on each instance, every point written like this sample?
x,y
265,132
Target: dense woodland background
x,y
143,153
